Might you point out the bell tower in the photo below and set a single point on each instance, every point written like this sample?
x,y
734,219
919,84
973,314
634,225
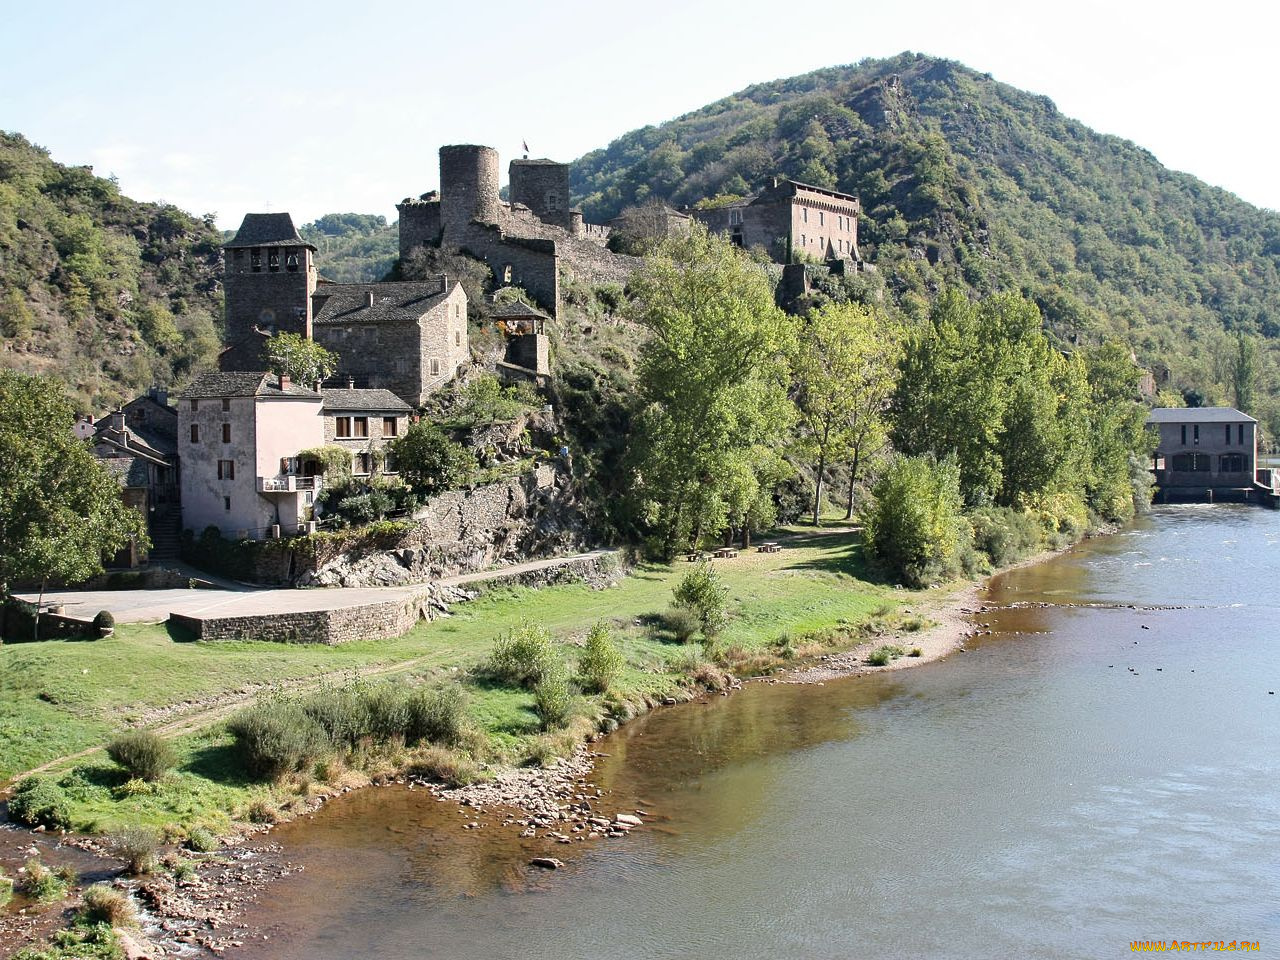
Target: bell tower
x,y
269,276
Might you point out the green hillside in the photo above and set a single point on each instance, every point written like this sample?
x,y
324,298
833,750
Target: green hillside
x,y
966,179
110,294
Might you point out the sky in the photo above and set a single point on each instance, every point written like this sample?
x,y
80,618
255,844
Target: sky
x,y
320,107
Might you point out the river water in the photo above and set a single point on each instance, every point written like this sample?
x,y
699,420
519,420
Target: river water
x,y
1091,774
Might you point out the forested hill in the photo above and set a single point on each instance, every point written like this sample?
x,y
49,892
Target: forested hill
x,y
964,178
107,293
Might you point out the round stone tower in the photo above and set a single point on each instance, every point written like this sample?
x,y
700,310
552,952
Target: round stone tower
x,y
468,186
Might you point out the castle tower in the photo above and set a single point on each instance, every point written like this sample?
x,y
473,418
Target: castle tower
x,y
543,187
269,276
468,188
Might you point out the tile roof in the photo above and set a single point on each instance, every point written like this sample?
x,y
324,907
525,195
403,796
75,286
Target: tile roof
x,y
237,383
128,471
1198,415
368,398
517,308
402,302
266,230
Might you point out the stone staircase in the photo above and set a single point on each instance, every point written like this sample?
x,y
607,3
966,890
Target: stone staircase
x,y
166,538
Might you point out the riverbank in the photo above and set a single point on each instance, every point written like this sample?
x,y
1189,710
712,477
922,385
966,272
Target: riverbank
x,y
810,604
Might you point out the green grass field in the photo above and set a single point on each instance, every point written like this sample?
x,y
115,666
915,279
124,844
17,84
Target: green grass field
x,y
59,698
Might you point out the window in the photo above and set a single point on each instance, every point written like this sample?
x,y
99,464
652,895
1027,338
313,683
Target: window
x,y
390,427
226,503
804,214
342,427
389,463
273,260
255,260
291,262
195,405
457,338
1240,430
226,469
435,366
360,464
506,275
1202,463
226,433
226,404
239,255
735,218
359,426
803,241
1228,434
195,433
1195,434
1231,463
1182,462
1184,434
821,219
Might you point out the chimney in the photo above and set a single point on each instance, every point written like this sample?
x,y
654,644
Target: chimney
x,y
117,421
285,381
368,298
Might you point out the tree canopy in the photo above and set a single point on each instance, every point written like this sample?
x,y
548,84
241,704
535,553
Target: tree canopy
x,y
306,361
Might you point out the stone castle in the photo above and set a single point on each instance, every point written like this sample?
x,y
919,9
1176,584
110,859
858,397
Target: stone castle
x,y
531,241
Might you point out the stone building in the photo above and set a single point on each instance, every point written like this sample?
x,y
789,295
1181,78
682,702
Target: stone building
x,y
364,423
1205,452
138,443
528,351
409,337
239,435
269,274
791,220
527,242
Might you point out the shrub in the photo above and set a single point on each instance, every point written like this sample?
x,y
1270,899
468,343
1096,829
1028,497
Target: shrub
x,y
202,840
1004,534
916,652
42,884
143,754
522,657
104,620
447,766
133,787
601,660
84,941
553,697
882,656
342,713
701,591
682,622
105,904
911,522
38,802
6,889
436,714
430,462
137,847
275,738
387,710
485,400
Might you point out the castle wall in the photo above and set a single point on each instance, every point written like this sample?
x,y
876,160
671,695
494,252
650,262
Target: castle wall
x,y
468,187
278,300
420,225
533,262
543,187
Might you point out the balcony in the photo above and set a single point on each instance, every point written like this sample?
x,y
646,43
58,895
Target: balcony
x,y
288,483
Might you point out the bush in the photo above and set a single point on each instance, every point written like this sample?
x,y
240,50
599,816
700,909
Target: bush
x,y
104,620
430,462
601,661
1004,534
437,715
42,884
682,622
553,698
106,904
447,766
702,592
341,713
137,847
276,738
143,754
202,840
6,889
86,941
387,711
485,400
882,656
522,657
911,522
38,802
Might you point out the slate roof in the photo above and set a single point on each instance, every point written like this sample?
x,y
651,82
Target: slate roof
x,y
236,383
517,309
1198,415
368,399
266,230
400,302
128,471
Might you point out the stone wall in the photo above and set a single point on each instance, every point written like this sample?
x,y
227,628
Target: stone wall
x,y
271,300
469,184
543,187
533,261
420,225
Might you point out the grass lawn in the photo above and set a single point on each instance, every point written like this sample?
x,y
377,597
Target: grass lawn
x,y
58,698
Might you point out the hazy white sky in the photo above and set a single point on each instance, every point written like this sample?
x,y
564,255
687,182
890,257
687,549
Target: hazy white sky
x,y
321,107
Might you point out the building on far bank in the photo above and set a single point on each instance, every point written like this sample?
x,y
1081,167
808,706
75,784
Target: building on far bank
x,y
365,422
239,435
1205,453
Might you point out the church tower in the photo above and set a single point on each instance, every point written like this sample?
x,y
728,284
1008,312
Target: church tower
x,y
269,276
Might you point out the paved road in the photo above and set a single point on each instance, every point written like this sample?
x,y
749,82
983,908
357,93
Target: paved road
x,y
237,600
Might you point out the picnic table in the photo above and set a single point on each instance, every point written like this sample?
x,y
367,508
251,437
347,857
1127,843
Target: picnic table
x,y
771,547
726,553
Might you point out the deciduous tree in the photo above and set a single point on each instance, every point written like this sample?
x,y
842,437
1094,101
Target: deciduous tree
x,y
305,361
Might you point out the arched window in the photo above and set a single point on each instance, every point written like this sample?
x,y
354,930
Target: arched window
x,y
506,273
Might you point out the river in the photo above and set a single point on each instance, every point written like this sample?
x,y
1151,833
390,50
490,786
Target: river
x,y
1090,774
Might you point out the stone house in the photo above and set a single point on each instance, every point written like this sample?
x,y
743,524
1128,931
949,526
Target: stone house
x,y
527,242
409,338
138,443
528,351
1204,451
790,220
365,422
239,435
